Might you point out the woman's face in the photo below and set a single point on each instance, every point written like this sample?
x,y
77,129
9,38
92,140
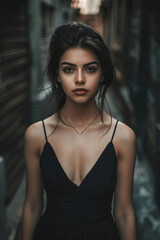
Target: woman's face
x,y
79,74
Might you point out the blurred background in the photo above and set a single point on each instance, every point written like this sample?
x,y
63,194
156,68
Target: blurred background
x,y
131,29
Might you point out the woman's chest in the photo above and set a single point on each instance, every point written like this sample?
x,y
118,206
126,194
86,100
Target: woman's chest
x,y
78,157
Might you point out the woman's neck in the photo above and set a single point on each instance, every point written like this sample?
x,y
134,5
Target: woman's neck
x,y
79,114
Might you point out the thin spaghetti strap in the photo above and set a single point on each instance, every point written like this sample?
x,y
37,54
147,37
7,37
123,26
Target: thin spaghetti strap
x,y
44,131
114,130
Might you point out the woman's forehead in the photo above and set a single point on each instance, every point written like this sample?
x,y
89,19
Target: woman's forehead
x,y
79,55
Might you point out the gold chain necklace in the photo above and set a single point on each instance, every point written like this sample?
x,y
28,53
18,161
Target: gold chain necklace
x,y
79,133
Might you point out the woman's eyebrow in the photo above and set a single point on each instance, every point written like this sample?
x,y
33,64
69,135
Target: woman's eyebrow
x,y
71,64
91,63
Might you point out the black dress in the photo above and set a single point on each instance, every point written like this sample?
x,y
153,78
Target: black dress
x,y
78,212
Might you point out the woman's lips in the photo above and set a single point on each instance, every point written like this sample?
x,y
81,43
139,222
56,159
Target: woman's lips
x,y
80,91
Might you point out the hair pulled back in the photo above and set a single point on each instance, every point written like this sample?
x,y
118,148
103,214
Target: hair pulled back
x,y
72,35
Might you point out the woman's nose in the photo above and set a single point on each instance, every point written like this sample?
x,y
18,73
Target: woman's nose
x,y
80,77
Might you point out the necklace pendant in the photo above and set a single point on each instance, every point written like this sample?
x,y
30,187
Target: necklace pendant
x,y
80,133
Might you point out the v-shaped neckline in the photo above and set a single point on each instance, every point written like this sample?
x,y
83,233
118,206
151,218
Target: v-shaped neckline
x,y
88,173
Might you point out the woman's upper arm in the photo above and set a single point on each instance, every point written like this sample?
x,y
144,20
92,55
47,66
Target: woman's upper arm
x,y
126,162
34,188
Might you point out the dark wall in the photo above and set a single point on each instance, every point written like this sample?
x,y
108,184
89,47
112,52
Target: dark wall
x,y
14,91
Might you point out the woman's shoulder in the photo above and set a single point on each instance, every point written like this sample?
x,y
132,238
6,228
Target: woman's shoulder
x,y
125,133
125,136
35,132
34,135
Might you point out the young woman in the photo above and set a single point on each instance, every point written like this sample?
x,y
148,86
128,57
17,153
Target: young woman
x,y
80,155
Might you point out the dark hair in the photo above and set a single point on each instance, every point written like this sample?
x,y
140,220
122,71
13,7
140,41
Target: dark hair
x,y
77,34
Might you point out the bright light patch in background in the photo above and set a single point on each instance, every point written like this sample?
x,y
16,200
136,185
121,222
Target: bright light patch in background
x,y
87,6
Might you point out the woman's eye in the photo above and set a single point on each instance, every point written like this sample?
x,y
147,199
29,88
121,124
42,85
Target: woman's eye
x,y
68,69
90,69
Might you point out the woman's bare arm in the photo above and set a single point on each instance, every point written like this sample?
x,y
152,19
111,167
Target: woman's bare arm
x,y
123,207
33,205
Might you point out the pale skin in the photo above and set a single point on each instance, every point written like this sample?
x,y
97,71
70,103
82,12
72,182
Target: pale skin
x,y
80,68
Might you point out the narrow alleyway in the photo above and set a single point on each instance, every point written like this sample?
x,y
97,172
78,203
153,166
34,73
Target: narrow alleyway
x,y
146,209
